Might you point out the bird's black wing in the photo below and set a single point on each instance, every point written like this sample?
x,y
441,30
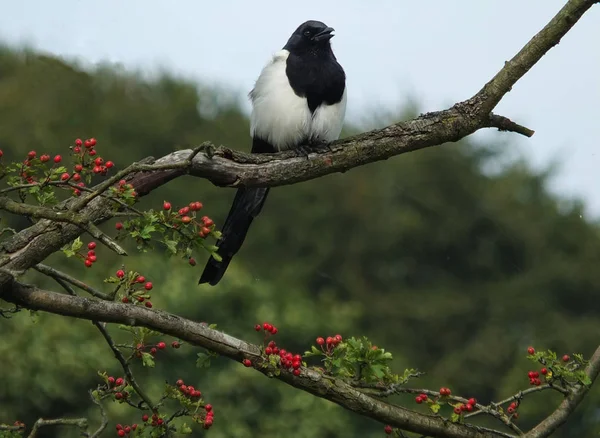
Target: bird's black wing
x,y
247,204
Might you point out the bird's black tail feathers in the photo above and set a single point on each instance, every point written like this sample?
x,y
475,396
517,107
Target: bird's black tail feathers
x,y
246,206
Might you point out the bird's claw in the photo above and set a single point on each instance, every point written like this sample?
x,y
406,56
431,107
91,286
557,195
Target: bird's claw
x,y
313,146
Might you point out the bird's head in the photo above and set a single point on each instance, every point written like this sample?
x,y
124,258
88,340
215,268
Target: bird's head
x,y
309,36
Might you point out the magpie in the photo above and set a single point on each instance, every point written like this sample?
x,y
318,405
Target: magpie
x,y
298,102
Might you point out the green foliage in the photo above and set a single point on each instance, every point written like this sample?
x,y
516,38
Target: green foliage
x,y
454,269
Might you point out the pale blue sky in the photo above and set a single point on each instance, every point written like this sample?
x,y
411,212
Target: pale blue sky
x,y
436,51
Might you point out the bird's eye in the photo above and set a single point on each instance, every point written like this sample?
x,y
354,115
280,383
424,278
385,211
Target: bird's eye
x,y
307,33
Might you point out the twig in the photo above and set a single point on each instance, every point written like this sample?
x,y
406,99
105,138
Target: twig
x,y
54,273
103,415
79,422
125,366
551,423
118,355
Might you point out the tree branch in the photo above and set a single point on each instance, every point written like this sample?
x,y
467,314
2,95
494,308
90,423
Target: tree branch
x,y
568,405
311,381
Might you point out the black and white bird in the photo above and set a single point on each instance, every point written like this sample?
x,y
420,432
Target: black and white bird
x,y
299,99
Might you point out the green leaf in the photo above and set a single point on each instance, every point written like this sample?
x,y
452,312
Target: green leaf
x,y
171,245
147,360
203,360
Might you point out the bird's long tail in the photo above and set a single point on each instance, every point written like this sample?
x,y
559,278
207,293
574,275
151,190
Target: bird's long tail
x,y
246,206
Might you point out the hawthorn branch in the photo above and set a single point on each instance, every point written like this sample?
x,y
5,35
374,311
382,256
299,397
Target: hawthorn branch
x,y
551,423
56,274
104,422
198,334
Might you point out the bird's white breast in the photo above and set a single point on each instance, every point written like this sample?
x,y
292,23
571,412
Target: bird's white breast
x,y
282,118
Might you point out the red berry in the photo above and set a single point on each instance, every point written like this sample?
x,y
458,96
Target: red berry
x,y
77,149
144,418
457,410
166,205
92,141
153,351
296,372
472,401
31,155
119,226
141,299
44,158
65,176
183,388
192,261
148,286
118,396
148,304
57,159
566,358
121,432
109,164
388,429
124,300
510,409
186,219
92,152
247,363
159,421
544,371
140,279
204,231
175,344
179,382
531,350
196,394
161,345
120,273
268,351
78,168
119,381
418,399
122,183
184,211
127,429
111,380
134,426
273,330
338,338
329,340
468,407
208,222
88,263
97,169
1,153
92,245
76,177
257,327
208,408
320,341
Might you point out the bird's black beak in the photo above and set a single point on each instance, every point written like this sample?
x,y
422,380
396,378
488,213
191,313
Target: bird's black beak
x,y
324,35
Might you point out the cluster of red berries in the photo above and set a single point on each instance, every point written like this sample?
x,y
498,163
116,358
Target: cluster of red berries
x,y
388,430
188,390
445,392
123,190
156,420
328,344
83,151
512,410
125,430
534,377
133,293
116,386
268,328
187,215
421,398
161,345
90,258
465,407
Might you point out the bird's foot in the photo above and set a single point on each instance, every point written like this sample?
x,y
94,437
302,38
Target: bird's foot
x,y
313,146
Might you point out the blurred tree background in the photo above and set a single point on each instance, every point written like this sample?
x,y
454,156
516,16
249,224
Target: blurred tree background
x,y
453,268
